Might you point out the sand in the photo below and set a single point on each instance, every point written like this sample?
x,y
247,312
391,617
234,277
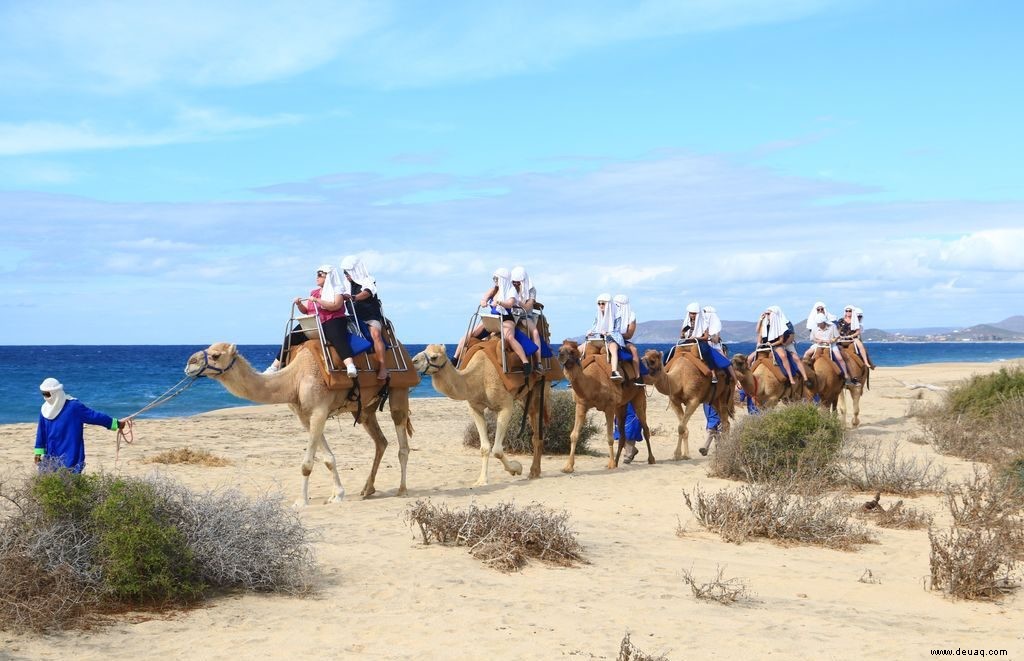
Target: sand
x,y
387,596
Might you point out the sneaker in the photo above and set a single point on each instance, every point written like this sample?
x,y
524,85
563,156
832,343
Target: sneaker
x,y
273,368
638,381
630,452
851,382
616,376
714,379
527,370
351,371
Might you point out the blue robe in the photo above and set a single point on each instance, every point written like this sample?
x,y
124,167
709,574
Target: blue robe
x,y
63,437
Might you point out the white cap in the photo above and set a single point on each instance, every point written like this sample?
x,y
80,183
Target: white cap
x,y
693,307
604,298
50,384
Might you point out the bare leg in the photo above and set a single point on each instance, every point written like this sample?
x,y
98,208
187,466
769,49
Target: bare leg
x,y
613,355
864,352
378,351
508,330
780,353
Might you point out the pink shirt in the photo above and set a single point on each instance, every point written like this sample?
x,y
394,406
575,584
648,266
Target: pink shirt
x,y
325,315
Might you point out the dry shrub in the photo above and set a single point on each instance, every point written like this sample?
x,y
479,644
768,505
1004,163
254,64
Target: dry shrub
x,y
872,468
768,510
970,563
980,419
187,455
518,438
503,536
725,591
630,652
72,546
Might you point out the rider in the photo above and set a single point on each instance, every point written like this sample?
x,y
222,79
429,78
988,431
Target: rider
x,y
500,278
696,326
774,329
362,291
509,297
626,319
850,326
812,325
826,333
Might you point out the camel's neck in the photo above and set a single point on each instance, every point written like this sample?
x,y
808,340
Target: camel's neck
x,y
243,381
452,383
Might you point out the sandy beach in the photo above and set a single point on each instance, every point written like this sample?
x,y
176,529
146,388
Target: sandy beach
x,y
387,596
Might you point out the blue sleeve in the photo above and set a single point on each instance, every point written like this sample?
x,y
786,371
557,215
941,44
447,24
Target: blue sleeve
x,y
96,418
41,435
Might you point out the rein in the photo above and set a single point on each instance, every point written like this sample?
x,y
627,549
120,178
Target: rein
x,y
212,368
126,433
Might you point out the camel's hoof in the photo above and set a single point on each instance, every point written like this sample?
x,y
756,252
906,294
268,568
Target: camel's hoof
x,y
568,469
651,460
402,491
534,475
300,504
515,468
703,451
480,483
367,492
612,464
682,457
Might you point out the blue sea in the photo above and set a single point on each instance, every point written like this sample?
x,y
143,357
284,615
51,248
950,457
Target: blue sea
x,y
120,380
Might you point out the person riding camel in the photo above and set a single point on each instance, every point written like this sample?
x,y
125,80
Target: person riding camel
x,y
775,330
826,334
500,278
362,291
812,324
509,297
851,326
696,326
626,319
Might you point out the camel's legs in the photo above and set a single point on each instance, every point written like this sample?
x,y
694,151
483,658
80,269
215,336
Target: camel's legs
x,y
332,465
609,425
485,442
620,417
574,435
399,404
683,417
315,425
537,422
380,444
498,450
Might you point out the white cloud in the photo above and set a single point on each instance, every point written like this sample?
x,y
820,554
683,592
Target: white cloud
x,y
995,250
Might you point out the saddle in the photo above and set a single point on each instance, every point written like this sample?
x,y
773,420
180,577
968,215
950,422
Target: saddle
x,y
767,359
691,353
595,352
367,365
513,380
853,359
827,353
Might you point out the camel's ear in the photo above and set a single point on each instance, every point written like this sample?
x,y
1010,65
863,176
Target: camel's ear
x,y
572,343
444,349
233,349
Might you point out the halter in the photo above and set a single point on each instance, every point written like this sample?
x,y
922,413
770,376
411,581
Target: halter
x,y
437,366
213,368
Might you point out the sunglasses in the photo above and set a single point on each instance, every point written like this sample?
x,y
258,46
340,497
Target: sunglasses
x,y
46,395
321,274
601,302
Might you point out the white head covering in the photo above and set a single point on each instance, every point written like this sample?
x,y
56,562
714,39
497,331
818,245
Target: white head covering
x,y
604,298
776,322
854,321
713,322
693,307
332,283
623,311
812,315
53,404
502,273
520,275
355,268
700,323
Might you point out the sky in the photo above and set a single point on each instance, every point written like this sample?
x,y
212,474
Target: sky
x,y
174,173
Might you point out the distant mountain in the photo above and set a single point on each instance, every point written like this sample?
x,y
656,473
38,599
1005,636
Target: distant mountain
x,y
922,332
986,333
667,331
1015,324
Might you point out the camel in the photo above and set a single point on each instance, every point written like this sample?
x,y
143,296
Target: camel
x,y
480,385
858,371
687,388
301,385
593,387
766,383
828,382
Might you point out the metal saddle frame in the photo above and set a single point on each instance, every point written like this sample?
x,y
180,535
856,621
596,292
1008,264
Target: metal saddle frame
x,y
492,324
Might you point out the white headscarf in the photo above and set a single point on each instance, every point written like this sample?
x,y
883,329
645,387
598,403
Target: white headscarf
x,y
520,275
854,321
332,283
713,322
700,323
811,316
355,268
53,404
776,323
623,312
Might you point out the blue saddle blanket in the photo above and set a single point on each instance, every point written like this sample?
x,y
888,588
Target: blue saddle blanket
x,y
530,347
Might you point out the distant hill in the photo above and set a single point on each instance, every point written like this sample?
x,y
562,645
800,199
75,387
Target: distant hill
x,y
667,331
986,333
1015,324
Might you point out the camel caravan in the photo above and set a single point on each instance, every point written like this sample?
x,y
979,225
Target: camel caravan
x,y
341,355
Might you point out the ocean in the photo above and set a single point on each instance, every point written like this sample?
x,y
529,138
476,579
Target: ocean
x,y
120,380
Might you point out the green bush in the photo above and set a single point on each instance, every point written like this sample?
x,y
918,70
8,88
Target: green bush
x,y
798,438
981,395
64,495
144,557
562,417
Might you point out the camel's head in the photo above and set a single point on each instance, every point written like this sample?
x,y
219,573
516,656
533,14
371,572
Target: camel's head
x,y
569,354
212,361
739,362
652,359
431,360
